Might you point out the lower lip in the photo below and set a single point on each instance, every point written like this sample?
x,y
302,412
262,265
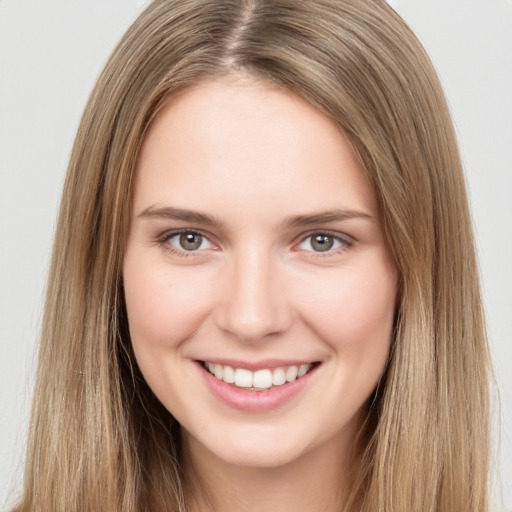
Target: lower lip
x,y
255,401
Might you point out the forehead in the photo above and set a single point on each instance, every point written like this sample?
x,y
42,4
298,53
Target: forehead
x,y
241,142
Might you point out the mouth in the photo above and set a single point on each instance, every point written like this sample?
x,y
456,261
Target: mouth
x,y
258,387
263,379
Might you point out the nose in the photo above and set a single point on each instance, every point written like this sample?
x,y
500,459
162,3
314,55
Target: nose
x,y
253,305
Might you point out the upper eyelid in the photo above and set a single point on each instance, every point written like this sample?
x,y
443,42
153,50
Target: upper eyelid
x,y
173,232
346,242
342,237
335,234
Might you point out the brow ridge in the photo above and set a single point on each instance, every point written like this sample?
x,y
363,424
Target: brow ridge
x,y
338,215
328,216
183,214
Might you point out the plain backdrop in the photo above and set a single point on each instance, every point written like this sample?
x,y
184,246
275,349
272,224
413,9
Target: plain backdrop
x,y
50,54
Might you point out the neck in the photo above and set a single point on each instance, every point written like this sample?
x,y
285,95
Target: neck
x,y
318,481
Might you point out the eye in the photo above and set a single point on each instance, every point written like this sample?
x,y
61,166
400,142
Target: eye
x,y
188,241
321,242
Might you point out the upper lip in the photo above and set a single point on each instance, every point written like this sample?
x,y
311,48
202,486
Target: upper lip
x,y
258,365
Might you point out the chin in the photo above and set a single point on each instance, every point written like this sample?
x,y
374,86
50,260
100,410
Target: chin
x,y
264,456
254,448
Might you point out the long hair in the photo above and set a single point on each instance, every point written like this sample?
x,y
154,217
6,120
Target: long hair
x,y
99,440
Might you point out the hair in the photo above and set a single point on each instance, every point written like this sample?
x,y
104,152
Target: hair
x,y
99,439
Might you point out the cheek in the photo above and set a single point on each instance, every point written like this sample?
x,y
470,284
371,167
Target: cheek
x,y
164,308
353,309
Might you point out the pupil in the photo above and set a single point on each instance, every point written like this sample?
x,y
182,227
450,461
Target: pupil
x,y
322,243
190,241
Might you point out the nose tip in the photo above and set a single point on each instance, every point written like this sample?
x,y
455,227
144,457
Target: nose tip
x,y
253,306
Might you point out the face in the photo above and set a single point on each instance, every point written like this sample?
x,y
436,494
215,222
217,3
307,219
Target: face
x,y
259,289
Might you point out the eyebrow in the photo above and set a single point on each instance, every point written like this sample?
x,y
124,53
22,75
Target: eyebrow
x,y
295,221
180,214
328,216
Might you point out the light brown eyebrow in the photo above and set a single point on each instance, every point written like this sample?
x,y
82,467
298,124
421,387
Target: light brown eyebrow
x,y
328,216
169,212
180,214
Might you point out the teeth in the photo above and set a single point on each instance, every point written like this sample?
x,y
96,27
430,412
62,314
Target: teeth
x,y
229,375
243,378
303,369
278,377
218,371
291,373
260,379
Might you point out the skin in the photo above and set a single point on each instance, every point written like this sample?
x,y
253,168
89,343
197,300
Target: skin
x,y
253,157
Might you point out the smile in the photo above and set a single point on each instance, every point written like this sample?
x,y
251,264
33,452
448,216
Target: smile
x,y
257,387
259,380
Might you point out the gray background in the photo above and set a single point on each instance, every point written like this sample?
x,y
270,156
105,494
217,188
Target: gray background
x,y
50,54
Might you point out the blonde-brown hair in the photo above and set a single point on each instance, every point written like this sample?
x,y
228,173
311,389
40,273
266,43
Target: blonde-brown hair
x,y
99,439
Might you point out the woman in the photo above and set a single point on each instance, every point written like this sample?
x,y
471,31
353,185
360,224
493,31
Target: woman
x,y
273,192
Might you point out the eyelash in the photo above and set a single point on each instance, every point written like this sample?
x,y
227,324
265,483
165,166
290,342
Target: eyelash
x,y
344,242
166,237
